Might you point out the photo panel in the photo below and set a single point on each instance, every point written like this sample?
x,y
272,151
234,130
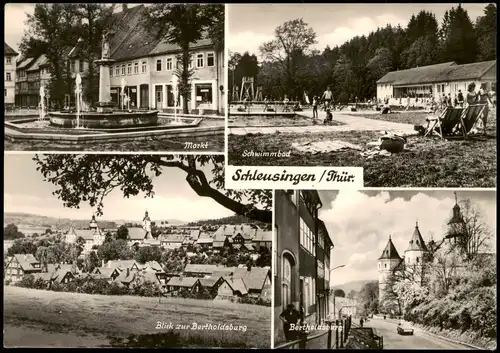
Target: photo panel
x,y
406,92
136,251
384,269
113,77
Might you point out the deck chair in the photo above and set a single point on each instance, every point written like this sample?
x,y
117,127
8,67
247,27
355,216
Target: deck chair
x,y
444,124
469,118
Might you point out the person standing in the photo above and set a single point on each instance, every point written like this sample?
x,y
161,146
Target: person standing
x,y
361,322
327,97
484,98
460,99
290,316
471,94
315,107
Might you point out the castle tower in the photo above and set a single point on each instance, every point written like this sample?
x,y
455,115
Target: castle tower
x,y
387,262
93,223
455,224
414,255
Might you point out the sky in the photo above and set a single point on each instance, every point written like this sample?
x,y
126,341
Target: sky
x,y
15,18
359,224
26,191
252,24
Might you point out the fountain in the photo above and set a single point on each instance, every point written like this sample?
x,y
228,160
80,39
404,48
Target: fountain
x,y
110,122
105,117
42,104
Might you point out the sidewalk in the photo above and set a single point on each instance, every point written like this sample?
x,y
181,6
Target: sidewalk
x,y
349,123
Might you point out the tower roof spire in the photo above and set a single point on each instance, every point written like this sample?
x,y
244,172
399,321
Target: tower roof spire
x,y
416,241
390,252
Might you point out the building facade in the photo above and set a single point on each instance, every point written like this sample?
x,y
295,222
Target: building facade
x,y
302,256
9,68
421,83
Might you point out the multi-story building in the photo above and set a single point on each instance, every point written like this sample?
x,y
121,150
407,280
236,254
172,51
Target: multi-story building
x,y
300,259
23,97
9,68
21,265
147,66
92,236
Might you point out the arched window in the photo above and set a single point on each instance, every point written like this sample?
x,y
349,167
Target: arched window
x,y
385,266
418,260
286,293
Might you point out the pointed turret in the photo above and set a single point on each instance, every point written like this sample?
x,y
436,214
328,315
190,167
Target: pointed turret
x,y
93,223
417,242
457,214
390,252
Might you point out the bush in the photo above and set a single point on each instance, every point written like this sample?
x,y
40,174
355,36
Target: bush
x,y
27,282
254,301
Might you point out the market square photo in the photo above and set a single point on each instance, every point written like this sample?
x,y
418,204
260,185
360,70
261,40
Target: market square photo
x,y
114,77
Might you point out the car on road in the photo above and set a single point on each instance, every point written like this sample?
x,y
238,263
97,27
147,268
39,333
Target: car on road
x,y
404,329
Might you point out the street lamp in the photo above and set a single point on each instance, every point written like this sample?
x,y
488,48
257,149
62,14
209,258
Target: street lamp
x,y
340,266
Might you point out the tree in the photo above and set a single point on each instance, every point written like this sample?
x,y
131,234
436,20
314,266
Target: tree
x,y
112,250
459,37
89,178
368,297
472,235
291,38
339,293
486,30
11,232
246,66
22,246
182,25
94,19
51,27
122,232
91,261
148,253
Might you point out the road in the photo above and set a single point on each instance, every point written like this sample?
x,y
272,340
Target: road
x,y
419,340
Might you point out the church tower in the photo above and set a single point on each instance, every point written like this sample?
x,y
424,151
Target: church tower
x,y
387,262
455,225
146,225
93,223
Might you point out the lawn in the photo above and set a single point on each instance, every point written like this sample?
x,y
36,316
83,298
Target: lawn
x,y
261,121
429,162
42,318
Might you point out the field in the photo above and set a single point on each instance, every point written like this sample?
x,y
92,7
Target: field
x,y
429,162
37,318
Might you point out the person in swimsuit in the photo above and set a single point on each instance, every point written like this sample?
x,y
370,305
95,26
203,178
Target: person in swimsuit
x,y
484,98
315,107
471,94
327,97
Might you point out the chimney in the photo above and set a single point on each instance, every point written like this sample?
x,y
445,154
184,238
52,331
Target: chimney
x,y
124,7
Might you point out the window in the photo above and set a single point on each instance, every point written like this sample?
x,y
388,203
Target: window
x,y
136,68
8,76
418,260
8,60
190,66
275,255
129,69
307,238
158,65
199,60
169,64
117,71
210,59
204,94
73,65
80,65
110,72
144,67
123,70
385,265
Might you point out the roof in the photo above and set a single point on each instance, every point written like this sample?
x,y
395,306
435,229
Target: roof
x,y
125,277
36,63
209,282
187,282
86,234
164,47
204,240
45,276
7,50
390,252
223,271
218,244
154,265
136,233
255,278
237,285
195,234
24,63
106,272
61,274
417,242
207,269
262,235
121,264
26,262
443,72
172,238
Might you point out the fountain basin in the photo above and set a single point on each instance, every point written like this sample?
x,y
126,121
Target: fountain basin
x,y
113,120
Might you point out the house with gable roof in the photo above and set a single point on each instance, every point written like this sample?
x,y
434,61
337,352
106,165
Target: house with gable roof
x,y
21,265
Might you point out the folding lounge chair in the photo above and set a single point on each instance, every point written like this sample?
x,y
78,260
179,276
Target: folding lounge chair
x,y
469,118
445,123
